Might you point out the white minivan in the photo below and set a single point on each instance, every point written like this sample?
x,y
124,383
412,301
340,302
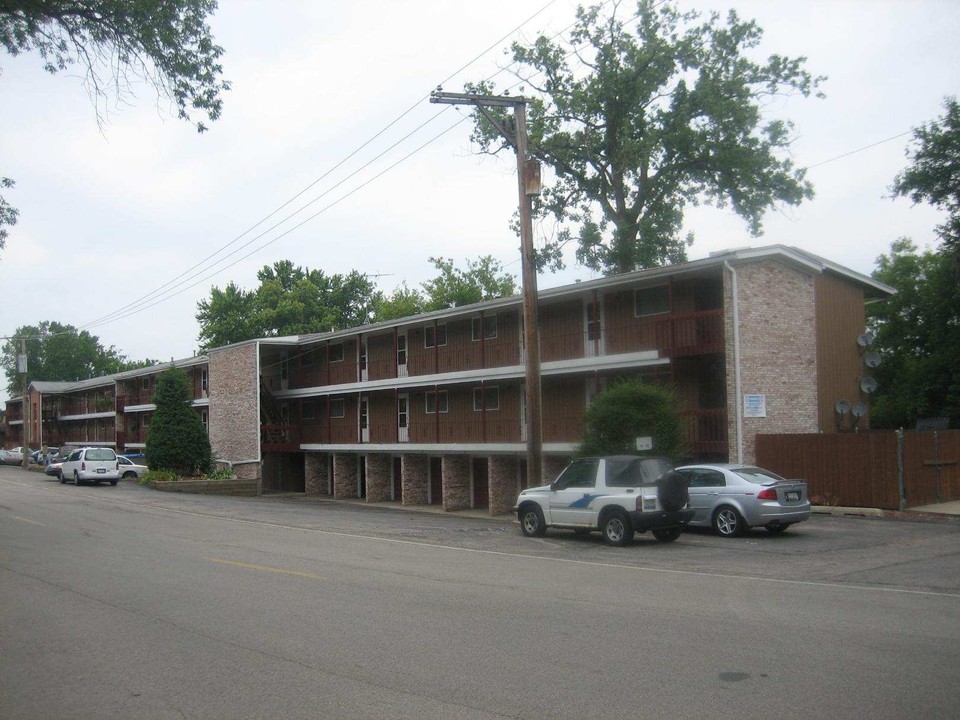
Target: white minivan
x,y
91,465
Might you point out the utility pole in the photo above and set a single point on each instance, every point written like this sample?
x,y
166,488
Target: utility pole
x,y
528,182
22,368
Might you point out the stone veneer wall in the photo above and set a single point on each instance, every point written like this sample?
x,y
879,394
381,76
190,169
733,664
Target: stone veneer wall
x,y
413,472
503,483
553,465
316,474
456,482
378,477
234,411
345,468
778,351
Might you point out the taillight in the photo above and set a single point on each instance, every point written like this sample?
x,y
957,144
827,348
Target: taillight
x,y
83,466
767,494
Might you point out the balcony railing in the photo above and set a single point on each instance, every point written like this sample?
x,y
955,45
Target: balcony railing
x,y
707,432
697,333
280,438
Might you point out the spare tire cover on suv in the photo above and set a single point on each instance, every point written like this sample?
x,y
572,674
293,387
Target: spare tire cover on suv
x,y
672,491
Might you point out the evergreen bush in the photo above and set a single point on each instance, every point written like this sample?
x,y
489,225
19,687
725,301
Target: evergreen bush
x,y
177,440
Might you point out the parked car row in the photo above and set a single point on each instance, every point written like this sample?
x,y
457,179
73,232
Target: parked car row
x,y
619,495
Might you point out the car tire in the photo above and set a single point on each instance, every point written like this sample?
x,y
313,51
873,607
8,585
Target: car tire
x,y
532,523
667,534
129,474
727,522
114,482
76,479
617,529
776,529
63,480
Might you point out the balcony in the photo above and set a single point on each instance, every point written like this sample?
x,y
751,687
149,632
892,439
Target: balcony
x,y
279,438
696,333
707,433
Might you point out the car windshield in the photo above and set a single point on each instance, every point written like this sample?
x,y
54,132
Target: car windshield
x,y
631,472
100,454
756,475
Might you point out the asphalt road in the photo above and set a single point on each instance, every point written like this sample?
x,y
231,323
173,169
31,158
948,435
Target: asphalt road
x,y
126,602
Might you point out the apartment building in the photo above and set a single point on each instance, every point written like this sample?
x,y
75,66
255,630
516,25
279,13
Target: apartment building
x,y
431,409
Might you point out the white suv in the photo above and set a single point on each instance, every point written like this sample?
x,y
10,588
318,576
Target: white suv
x,y
91,465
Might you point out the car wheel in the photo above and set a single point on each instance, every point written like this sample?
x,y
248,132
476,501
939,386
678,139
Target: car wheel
x,y
114,482
129,474
76,479
672,491
776,529
63,480
617,530
728,522
667,534
531,522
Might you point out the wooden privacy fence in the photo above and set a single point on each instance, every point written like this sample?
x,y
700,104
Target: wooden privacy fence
x,y
887,469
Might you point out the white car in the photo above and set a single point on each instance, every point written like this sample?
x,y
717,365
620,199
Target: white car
x,y
91,465
129,469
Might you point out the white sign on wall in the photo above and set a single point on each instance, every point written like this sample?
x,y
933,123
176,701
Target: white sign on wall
x,y
754,406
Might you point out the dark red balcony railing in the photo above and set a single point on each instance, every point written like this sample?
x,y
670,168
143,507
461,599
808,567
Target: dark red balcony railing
x,y
697,333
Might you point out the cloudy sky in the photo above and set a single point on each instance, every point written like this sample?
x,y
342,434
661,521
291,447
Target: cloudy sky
x,y
125,226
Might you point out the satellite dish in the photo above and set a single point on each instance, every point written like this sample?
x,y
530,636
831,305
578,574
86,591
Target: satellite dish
x,y
841,407
871,359
859,410
868,385
865,340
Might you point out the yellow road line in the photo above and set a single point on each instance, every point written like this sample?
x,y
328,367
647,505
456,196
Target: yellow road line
x,y
266,568
32,522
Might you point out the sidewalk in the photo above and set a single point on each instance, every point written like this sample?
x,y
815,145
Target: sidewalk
x,y
944,511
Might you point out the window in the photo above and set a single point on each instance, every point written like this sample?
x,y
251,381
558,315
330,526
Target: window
x,y
486,398
203,379
145,383
337,408
336,352
579,474
705,478
438,338
651,301
205,421
489,325
308,411
437,402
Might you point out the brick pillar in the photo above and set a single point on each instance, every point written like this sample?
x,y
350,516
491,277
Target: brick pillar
x,y
456,482
503,483
378,477
553,465
316,474
345,475
413,472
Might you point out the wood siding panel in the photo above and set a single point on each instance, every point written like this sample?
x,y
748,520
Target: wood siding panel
x,y
563,402
840,320
561,331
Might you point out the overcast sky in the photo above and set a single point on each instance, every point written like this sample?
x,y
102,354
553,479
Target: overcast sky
x,y
109,215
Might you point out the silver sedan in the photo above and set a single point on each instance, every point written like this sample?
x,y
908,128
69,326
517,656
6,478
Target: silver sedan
x,y
733,498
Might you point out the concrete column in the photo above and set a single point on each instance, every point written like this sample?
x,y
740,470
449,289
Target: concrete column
x,y
503,483
456,482
553,465
345,475
378,477
413,471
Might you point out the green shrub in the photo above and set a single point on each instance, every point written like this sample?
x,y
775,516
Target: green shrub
x,y
630,409
219,475
177,440
157,476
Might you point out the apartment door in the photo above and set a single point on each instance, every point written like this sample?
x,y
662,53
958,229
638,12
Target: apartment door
x,y
593,327
363,410
284,372
403,418
401,355
362,361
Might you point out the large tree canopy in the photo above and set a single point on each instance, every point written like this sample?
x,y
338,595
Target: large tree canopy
x,y
641,118
116,43
918,338
934,173
289,301
61,352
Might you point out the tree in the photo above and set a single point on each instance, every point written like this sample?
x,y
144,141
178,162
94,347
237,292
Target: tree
x,y
483,279
61,352
918,338
934,173
177,440
402,302
289,301
630,409
165,43
8,213
645,122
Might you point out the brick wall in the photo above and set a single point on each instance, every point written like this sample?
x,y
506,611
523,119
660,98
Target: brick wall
x,y
778,351
456,482
316,474
234,412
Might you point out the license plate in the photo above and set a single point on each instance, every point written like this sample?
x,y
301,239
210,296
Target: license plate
x,y
101,470
795,495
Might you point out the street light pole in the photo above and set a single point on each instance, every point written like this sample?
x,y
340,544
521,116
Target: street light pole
x,y
528,182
